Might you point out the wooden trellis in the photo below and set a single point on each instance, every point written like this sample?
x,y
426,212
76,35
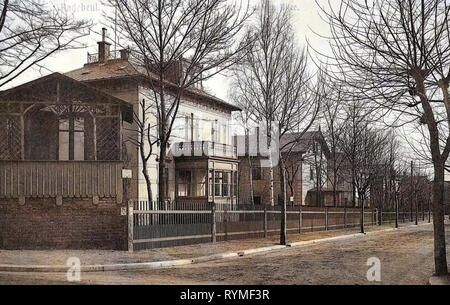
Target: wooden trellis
x,y
10,137
108,134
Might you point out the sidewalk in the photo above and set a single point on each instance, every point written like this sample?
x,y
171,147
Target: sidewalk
x,y
184,254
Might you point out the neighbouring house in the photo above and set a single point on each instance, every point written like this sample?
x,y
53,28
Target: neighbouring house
x,y
338,181
306,171
68,165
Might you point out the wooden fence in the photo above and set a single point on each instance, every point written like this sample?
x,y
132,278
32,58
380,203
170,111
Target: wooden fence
x,y
175,224
68,179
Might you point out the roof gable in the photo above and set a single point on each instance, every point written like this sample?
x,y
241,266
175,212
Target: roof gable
x,y
58,88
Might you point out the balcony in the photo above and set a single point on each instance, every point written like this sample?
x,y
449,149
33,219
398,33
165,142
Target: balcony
x,y
204,149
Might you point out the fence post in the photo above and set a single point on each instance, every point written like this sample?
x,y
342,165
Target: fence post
x,y
130,225
345,216
213,222
300,221
265,221
326,218
225,220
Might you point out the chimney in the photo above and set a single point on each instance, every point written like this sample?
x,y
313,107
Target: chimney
x,y
124,54
103,48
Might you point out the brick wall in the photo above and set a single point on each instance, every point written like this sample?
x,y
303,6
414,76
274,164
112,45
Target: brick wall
x,y
77,224
261,188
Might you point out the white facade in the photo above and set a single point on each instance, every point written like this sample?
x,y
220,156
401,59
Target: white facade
x,y
309,170
208,124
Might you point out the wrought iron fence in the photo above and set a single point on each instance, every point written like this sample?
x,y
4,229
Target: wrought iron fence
x,y
180,223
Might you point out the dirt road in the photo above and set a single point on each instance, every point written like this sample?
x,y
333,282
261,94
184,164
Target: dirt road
x,y
406,258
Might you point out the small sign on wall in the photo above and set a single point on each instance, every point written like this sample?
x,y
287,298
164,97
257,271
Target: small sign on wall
x,y
123,211
127,173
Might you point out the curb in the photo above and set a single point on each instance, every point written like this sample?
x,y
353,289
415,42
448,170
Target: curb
x,y
317,241
439,280
184,262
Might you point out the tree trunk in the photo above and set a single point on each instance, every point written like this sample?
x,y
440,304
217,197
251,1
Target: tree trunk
x,y
335,204
440,258
396,209
362,215
412,195
272,199
283,229
162,179
147,182
353,193
417,209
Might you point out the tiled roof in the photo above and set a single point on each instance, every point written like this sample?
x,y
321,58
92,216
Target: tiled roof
x,y
118,68
112,69
300,144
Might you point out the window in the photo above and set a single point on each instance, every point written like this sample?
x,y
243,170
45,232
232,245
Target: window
x,y
311,173
197,128
224,134
184,183
191,128
226,184
211,182
199,183
218,179
235,185
188,129
191,183
71,139
257,200
215,131
256,172
223,184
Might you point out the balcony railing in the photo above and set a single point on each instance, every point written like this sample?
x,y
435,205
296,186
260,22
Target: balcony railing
x,y
204,149
93,57
67,179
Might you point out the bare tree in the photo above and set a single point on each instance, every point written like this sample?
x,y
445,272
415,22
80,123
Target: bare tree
x,y
273,80
348,143
245,118
319,168
332,115
260,77
384,189
31,31
397,173
292,169
201,35
365,149
145,140
397,55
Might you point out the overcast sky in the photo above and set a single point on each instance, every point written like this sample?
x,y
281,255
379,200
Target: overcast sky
x,y
306,21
